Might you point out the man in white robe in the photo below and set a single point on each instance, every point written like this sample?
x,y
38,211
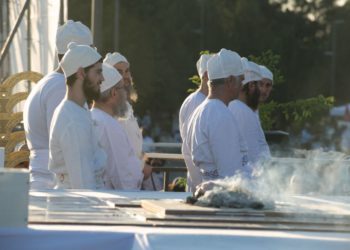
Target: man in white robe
x,y
124,169
243,109
129,122
213,136
186,111
75,156
42,102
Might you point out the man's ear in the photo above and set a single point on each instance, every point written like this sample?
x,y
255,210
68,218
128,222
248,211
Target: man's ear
x,y
114,92
81,74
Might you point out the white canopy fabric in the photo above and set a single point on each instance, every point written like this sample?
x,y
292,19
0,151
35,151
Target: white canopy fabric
x,y
44,19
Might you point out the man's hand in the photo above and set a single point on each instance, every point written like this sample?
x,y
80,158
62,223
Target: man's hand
x,y
147,171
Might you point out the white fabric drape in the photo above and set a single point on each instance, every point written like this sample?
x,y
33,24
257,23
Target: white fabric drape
x,y
44,18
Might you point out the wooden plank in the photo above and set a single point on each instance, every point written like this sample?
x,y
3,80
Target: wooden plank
x,y
164,156
168,207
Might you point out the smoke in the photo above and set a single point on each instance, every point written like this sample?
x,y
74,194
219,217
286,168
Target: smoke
x,y
313,173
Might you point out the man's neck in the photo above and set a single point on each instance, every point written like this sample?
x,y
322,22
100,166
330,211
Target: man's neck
x,y
203,88
218,94
75,94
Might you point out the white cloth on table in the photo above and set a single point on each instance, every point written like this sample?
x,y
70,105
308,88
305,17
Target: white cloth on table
x,y
37,114
124,168
75,156
133,131
217,148
186,111
250,127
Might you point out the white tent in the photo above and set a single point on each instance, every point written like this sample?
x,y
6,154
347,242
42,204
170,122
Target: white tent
x,y
33,45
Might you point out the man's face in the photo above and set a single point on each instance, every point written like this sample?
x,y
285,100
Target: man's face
x,y
265,87
124,69
253,95
120,107
92,82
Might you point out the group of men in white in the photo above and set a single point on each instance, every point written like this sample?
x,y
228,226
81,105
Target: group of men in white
x,y
219,123
72,146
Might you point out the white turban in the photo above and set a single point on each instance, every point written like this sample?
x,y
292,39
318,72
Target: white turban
x,y
202,64
251,71
114,58
111,76
224,64
78,56
72,32
266,73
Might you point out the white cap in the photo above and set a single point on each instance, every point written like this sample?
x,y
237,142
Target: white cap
x,y
78,56
111,76
224,64
114,58
202,64
72,32
251,71
266,73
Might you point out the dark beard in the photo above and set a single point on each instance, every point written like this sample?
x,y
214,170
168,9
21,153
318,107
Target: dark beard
x,y
253,99
89,92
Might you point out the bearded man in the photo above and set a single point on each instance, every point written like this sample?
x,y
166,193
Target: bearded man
x,y
75,156
42,102
243,109
124,171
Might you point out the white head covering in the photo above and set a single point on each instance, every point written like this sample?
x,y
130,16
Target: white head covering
x,y
111,76
202,64
266,73
224,64
78,56
251,71
114,58
72,32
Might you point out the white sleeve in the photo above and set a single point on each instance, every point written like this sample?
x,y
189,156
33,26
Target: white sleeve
x,y
53,99
264,150
78,156
225,147
126,167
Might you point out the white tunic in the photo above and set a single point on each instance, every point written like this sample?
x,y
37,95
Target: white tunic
x,y
37,114
186,111
123,168
250,126
133,131
75,156
215,142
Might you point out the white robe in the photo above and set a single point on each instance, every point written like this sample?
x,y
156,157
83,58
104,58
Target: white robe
x,y
217,147
75,156
133,131
186,111
250,126
37,114
124,168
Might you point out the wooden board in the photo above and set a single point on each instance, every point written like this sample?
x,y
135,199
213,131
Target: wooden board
x,y
169,207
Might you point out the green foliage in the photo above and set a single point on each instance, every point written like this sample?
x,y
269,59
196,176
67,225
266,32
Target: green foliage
x,y
272,62
292,116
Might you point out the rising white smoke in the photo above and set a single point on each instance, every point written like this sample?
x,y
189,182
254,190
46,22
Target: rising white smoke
x,y
309,173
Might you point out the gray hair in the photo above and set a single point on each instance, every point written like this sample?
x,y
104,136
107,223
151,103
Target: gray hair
x,y
216,82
